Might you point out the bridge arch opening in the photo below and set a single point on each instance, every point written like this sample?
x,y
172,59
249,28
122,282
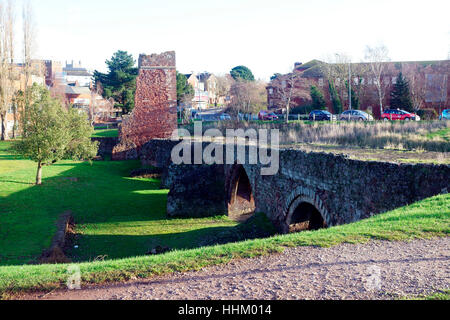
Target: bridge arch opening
x,y
303,216
241,205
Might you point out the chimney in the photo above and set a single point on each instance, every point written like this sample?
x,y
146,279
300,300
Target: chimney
x,y
297,64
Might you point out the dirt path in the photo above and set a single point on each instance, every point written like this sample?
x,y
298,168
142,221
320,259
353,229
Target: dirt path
x,y
377,270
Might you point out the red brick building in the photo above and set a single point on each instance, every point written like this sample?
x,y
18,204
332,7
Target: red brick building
x,y
429,80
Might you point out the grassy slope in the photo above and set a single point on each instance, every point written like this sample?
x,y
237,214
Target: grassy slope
x,y
115,215
424,219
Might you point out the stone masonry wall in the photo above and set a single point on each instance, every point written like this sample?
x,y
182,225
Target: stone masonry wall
x,y
155,111
343,190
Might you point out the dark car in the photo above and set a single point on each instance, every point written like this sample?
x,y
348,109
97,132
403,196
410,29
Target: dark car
x,y
320,115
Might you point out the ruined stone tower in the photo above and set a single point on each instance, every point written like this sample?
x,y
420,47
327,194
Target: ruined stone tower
x,y
155,110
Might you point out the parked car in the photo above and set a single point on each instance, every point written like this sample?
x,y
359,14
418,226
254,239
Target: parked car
x,y
398,114
224,117
445,115
266,115
319,115
355,115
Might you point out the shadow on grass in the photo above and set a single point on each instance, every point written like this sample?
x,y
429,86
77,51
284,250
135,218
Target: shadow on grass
x,y
120,246
97,193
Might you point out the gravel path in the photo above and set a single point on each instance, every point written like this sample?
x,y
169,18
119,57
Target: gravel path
x,y
376,270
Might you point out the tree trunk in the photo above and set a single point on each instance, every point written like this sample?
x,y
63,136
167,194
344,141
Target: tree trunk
x,y
3,127
15,124
39,174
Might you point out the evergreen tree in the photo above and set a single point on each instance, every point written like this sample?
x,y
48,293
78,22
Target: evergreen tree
x,y
355,97
185,92
120,81
337,104
242,73
318,101
400,95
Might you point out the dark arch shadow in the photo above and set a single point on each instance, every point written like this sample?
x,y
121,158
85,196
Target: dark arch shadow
x,y
241,202
303,216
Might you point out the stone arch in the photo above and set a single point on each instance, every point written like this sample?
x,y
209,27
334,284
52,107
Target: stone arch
x,y
304,210
241,200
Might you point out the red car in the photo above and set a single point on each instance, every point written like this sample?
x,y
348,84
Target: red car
x,y
399,115
266,115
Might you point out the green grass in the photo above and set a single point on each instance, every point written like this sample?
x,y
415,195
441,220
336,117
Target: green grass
x,y
443,133
425,219
116,216
440,295
106,133
122,217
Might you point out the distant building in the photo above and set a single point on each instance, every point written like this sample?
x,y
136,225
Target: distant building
x,y
430,77
37,75
75,74
210,85
201,97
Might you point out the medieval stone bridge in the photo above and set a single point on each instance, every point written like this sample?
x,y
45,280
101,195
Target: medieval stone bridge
x,y
310,190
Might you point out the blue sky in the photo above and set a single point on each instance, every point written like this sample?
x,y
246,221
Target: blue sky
x,y
266,36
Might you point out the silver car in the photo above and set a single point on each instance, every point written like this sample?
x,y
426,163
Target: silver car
x,y
355,115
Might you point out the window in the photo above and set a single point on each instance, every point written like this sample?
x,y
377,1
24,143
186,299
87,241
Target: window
x,y
321,82
338,81
270,91
394,80
356,80
283,83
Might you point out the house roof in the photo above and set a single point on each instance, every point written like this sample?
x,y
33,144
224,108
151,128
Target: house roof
x,y
81,72
204,76
77,90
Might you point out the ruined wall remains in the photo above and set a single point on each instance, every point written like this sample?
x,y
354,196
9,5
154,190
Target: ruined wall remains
x,y
155,110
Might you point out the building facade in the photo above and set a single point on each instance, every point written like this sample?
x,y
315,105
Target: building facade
x,y
429,85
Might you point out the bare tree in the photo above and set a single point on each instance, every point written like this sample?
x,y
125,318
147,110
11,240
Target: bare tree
x,y
223,87
248,97
417,90
377,57
28,40
286,90
10,34
336,70
6,67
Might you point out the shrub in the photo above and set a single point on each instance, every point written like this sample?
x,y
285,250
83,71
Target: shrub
x,y
427,114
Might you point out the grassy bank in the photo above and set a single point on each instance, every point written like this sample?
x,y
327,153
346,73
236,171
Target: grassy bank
x,y
424,219
116,216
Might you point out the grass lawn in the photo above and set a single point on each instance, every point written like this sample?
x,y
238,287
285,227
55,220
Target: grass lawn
x,y
116,216
106,133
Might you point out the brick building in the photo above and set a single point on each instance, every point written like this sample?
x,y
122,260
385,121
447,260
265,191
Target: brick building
x,y
428,80
37,75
